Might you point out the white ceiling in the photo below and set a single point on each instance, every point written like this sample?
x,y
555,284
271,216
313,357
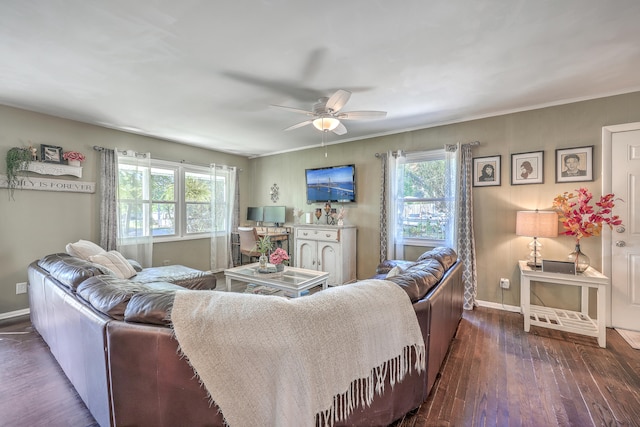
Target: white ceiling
x,y
204,72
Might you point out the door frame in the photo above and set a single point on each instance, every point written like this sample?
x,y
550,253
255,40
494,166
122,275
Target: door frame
x,y
607,140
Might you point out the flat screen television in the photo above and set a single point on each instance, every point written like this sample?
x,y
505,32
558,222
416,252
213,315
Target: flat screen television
x,y
255,214
331,184
274,214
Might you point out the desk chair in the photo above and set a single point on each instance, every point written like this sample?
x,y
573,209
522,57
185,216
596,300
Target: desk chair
x,y
248,240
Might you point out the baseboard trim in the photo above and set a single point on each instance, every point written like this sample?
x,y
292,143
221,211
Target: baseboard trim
x,y
12,314
498,306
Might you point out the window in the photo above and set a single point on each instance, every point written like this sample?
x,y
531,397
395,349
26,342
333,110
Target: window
x,y
425,207
197,202
179,196
163,202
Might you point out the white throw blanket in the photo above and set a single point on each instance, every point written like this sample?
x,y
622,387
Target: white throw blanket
x,y
271,361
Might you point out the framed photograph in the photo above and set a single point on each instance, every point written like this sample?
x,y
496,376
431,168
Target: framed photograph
x,y
527,168
50,153
574,164
486,171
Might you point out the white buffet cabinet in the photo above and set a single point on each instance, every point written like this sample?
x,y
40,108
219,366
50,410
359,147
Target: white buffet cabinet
x,y
327,248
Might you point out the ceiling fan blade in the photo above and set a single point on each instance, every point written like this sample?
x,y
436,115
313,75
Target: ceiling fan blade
x,y
299,125
340,129
295,110
338,100
362,115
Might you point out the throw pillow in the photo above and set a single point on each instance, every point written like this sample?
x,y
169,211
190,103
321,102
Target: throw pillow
x,y
115,262
83,249
395,271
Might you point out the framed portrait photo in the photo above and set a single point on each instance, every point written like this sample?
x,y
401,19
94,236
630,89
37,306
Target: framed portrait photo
x,y
50,153
527,168
486,171
574,164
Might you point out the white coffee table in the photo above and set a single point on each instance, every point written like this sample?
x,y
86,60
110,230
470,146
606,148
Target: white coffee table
x,y
292,280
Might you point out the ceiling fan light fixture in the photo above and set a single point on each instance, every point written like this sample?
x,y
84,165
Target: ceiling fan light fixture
x,y
326,123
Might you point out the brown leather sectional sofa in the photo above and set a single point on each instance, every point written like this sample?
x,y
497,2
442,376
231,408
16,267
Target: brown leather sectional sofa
x,y
112,338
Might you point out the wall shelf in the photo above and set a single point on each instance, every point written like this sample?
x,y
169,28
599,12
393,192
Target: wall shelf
x,y
54,169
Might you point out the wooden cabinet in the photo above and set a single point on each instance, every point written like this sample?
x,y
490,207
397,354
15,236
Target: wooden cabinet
x,y
327,248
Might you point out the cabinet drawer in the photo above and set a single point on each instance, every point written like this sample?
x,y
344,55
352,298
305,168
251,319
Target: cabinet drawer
x,y
319,235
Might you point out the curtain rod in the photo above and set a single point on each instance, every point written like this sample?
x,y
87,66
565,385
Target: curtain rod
x,y
447,146
98,148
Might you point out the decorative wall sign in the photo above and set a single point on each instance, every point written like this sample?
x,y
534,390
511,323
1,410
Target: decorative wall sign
x,y
46,184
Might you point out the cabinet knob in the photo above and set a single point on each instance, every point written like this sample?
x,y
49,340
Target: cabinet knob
x,y
621,243
620,229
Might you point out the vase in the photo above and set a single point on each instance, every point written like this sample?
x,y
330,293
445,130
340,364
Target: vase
x,y
73,162
580,260
280,267
340,222
263,262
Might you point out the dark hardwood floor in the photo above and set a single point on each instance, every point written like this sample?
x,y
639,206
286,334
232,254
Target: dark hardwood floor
x,y
495,375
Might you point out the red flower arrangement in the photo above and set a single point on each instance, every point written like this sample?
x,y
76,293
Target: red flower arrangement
x,y
73,155
579,218
279,256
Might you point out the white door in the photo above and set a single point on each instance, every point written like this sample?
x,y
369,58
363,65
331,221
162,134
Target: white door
x,y
625,241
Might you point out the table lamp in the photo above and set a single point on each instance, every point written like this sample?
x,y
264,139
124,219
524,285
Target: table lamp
x,y
536,224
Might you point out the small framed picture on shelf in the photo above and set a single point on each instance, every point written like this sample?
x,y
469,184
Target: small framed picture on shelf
x,y
50,153
527,168
574,164
486,171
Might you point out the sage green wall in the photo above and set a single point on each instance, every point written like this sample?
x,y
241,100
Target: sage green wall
x,y
498,248
43,222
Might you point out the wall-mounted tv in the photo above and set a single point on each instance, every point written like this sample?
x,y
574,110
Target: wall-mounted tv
x,y
331,184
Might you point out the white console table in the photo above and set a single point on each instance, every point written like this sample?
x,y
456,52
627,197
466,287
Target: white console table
x,y
566,320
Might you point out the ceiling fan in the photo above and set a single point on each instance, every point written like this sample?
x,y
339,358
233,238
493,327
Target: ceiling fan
x,y
326,115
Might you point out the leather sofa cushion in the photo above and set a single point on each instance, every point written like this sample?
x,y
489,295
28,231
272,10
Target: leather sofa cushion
x,y
150,307
445,256
386,266
70,271
418,279
109,294
181,275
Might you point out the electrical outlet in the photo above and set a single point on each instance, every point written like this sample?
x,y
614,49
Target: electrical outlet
x,y
21,288
166,262
504,283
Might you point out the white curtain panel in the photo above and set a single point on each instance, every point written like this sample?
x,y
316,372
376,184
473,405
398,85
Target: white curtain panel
x,y
224,215
135,239
395,240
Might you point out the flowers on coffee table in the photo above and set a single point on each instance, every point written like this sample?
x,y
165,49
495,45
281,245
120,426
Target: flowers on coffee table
x,y
279,256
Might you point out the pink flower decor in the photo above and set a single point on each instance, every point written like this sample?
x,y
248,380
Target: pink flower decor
x,y
73,155
579,218
279,256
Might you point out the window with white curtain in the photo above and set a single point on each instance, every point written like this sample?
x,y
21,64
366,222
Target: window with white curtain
x,y
179,195
425,205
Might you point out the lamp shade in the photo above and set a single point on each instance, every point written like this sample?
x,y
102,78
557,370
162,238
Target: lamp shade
x,y
326,123
537,223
